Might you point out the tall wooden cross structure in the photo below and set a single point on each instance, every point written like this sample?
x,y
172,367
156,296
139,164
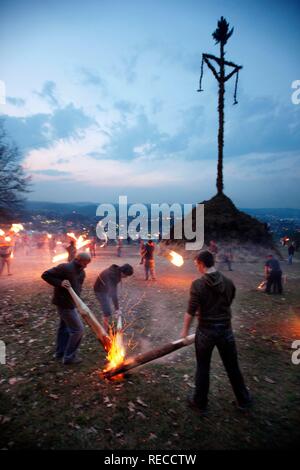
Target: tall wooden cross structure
x,y
221,36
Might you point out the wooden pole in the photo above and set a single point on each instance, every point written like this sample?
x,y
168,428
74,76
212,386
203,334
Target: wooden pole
x,y
90,319
148,356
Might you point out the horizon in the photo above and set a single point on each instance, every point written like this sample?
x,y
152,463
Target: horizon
x,y
145,202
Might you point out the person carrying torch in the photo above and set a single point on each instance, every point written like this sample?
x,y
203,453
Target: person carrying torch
x,y
6,251
210,299
70,330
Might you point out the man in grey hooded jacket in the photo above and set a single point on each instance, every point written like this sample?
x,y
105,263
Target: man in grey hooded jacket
x,y
210,299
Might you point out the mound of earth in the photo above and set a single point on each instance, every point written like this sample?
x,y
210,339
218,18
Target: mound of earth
x,y
223,221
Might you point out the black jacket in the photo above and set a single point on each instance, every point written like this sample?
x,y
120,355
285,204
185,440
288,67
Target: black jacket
x,y
74,273
108,281
148,252
291,250
211,297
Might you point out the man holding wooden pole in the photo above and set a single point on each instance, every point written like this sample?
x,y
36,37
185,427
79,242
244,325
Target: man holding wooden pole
x,y
210,299
70,330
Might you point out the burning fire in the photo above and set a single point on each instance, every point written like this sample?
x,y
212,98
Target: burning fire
x,y
176,258
16,228
80,242
262,285
116,353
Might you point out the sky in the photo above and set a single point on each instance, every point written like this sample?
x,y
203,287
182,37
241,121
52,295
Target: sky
x,y
101,99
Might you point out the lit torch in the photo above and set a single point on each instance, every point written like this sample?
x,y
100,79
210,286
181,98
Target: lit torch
x,y
175,258
80,242
144,358
262,285
16,228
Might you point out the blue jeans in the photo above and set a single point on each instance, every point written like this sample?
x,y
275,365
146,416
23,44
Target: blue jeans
x,y
205,341
290,261
69,334
149,269
274,282
105,302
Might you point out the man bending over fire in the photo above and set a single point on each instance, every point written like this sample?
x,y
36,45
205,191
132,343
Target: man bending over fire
x,y
210,299
70,330
106,289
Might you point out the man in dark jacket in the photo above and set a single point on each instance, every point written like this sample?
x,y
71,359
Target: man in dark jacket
x,y
71,249
106,289
148,259
291,252
273,275
210,299
70,329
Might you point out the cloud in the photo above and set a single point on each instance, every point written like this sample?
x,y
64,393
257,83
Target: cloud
x,y
69,121
48,93
125,106
51,172
91,77
40,130
15,101
129,65
262,125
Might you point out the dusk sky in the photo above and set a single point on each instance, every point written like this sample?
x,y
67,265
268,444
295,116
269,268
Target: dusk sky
x,y
101,99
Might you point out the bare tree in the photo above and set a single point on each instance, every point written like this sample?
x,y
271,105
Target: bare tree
x,y
14,183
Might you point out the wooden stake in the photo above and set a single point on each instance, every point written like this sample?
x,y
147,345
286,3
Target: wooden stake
x,y
148,356
90,319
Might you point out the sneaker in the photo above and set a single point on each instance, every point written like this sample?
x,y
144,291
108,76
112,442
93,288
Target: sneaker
x,y
76,360
243,407
57,357
194,406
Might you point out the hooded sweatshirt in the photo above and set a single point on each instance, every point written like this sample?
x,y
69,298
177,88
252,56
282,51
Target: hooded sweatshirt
x,y
211,297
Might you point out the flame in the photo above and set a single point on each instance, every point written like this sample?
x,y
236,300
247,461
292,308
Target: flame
x,y
262,285
16,228
7,239
12,254
60,257
1,233
80,242
116,353
176,258
49,235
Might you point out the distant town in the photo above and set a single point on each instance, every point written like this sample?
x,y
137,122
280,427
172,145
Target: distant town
x,y
55,217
